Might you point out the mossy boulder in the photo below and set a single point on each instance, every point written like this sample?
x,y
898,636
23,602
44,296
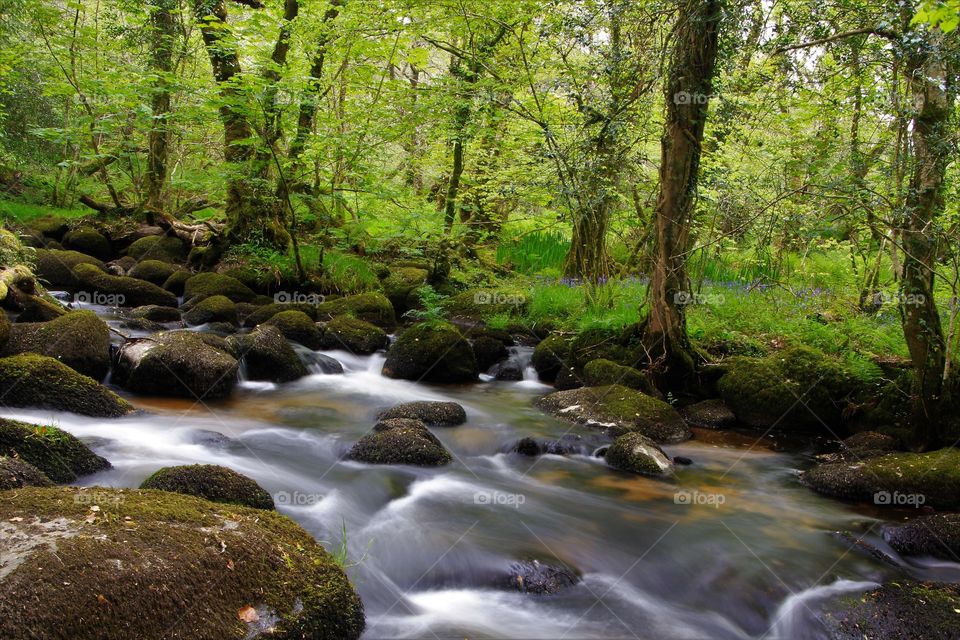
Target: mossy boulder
x,y
164,565
798,389
903,609
16,473
894,480
165,248
636,453
89,241
79,339
40,382
400,441
488,351
434,414
155,271
621,346
177,363
401,282
602,372
374,308
48,228
127,292
434,352
212,309
155,313
709,414
935,535
351,334
57,454
4,328
217,284
266,355
299,327
617,410
56,267
177,281
40,308
550,356
263,313
211,482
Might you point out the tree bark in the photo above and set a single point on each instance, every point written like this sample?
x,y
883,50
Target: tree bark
x,y
163,33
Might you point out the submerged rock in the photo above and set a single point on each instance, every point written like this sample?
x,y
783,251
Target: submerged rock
x,y
637,453
933,535
540,579
211,482
566,446
433,353
400,441
902,609
79,340
709,414
618,410
165,565
58,455
16,473
434,414
35,381
267,355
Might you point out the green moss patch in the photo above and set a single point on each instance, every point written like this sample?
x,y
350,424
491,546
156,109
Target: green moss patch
x,y
211,482
41,382
55,453
435,352
79,339
374,308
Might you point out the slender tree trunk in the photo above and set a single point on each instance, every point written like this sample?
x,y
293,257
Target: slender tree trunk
x,y
163,33
689,85
272,75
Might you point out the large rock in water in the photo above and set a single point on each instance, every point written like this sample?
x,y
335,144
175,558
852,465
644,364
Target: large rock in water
x,y
212,309
125,292
177,363
79,339
210,482
34,381
356,336
550,356
56,267
538,578
935,535
156,565
434,414
267,355
56,453
905,609
637,453
299,327
433,353
618,410
400,441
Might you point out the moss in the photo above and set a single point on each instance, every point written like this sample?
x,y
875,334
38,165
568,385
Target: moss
x,y
156,313
135,293
177,281
374,308
617,410
479,304
434,414
932,535
89,241
265,312
57,454
709,414
299,327
78,339
165,248
4,328
56,267
433,352
16,473
40,382
401,283
266,355
148,560
400,441
356,336
488,351
901,609
212,309
217,284
211,482
617,345
551,355
935,476
155,271
601,372
637,453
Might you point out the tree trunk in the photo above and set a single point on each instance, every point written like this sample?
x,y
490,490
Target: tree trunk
x,y
163,33
689,85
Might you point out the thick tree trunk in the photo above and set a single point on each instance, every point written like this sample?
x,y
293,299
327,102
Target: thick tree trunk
x,y
163,33
689,85
931,81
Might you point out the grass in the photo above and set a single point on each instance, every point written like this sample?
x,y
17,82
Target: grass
x,y
25,211
534,252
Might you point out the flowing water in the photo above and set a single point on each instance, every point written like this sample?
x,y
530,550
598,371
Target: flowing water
x,y
733,547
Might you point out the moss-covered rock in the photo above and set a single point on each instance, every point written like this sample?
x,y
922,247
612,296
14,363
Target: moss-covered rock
x,y
621,346
895,479
903,609
636,453
89,241
709,414
265,312
121,266
266,355
155,313
211,482
4,328
488,351
177,363
155,271
57,454
164,565
16,473
351,334
798,388
602,372
618,410
177,281
212,309
935,535
477,304
400,441
550,356
374,308
401,282
217,284
36,381
127,292
79,339
434,414
56,267
297,326
47,228
433,352
165,248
